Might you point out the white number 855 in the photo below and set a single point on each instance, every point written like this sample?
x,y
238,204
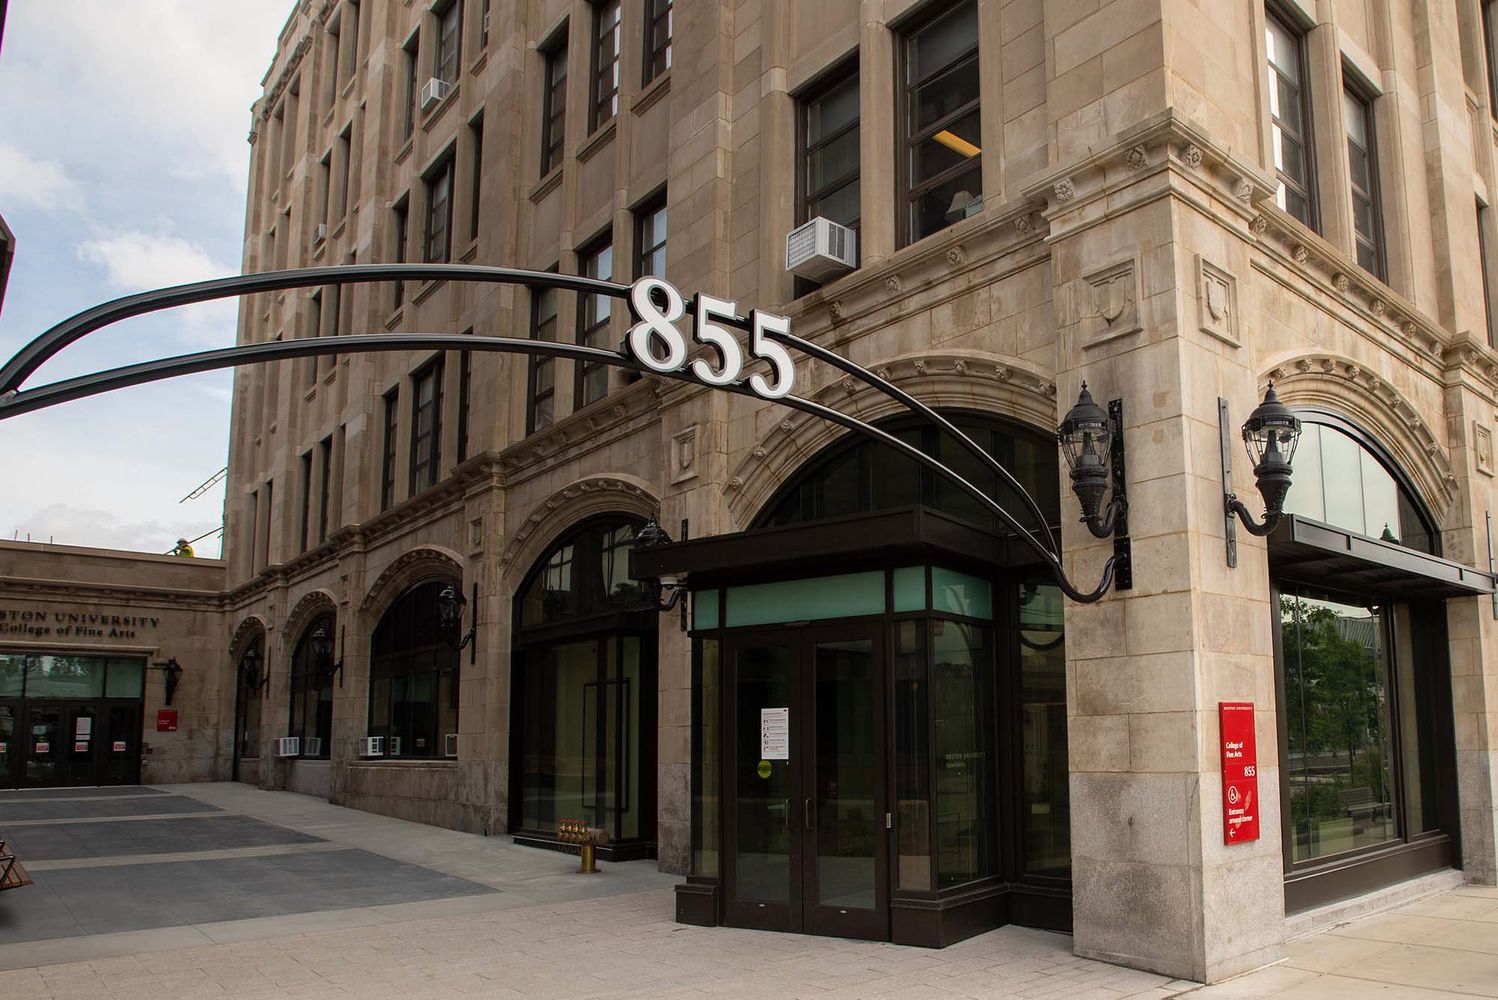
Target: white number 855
x,y
656,342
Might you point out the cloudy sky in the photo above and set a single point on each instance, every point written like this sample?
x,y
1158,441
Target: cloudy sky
x,y
123,166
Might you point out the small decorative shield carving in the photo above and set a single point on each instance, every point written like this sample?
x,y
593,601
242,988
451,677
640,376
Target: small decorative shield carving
x,y
1112,298
1217,299
1110,302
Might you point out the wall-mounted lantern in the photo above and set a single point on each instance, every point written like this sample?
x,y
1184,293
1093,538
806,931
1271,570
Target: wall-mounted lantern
x,y
1092,442
172,671
249,669
661,593
450,605
322,652
1270,434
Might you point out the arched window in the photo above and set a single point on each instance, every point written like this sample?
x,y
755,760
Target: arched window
x,y
413,677
250,670
856,475
584,693
1342,478
312,690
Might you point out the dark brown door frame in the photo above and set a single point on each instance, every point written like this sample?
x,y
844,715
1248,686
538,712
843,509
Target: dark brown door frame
x,y
803,913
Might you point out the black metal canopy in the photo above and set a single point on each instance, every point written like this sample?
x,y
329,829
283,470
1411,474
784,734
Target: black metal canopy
x,y
1307,551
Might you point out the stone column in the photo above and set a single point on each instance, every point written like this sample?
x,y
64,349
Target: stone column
x,y
1154,885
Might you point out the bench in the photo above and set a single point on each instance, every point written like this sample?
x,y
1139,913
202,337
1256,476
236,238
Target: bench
x,y
1361,806
12,875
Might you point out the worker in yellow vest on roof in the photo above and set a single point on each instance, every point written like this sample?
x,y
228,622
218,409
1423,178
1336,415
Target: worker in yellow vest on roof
x,y
183,549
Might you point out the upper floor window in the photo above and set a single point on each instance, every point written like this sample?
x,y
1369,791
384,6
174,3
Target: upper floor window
x,y
593,314
465,380
411,54
1290,119
439,218
828,182
445,60
346,168
387,464
400,233
426,425
554,104
325,481
1485,263
1362,162
330,86
476,175
302,534
942,163
650,239
1490,48
543,380
605,87
484,25
659,15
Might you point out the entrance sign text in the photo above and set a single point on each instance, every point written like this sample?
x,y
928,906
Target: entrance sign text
x,y
658,328
1240,772
74,624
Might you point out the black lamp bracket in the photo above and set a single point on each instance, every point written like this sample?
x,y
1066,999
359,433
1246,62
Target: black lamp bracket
x,y
1233,509
469,637
172,670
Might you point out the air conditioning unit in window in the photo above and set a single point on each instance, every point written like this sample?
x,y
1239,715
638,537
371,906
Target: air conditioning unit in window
x,y
486,23
821,249
288,746
319,233
433,92
312,746
374,746
393,747
450,745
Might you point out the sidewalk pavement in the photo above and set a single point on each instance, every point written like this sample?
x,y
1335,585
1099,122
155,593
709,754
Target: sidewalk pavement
x,y
539,933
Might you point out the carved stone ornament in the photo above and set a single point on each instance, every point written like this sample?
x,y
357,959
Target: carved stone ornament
x,y
786,427
1003,373
1377,308
1341,282
892,284
883,373
1244,191
1192,155
734,484
959,367
1260,225
1064,189
1110,304
1024,224
836,310
1137,158
1299,254
956,255
1217,301
684,463
759,454
849,386
920,366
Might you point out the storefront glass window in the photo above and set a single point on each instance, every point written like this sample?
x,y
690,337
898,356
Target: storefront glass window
x,y
962,689
705,760
413,670
1339,481
12,674
912,713
1337,704
860,476
125,679
311,693
65,677
585,688
1047,799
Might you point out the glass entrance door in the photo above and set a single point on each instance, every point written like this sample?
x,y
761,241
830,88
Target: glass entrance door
x,y
807,824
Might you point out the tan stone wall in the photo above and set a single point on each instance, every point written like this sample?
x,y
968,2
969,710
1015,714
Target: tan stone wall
x,y
1126,159
181,600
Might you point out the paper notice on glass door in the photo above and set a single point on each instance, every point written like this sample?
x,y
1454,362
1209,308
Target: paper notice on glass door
x,y
775,733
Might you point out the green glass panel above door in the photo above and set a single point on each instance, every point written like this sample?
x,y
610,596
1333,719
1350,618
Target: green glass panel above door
x,y
806,600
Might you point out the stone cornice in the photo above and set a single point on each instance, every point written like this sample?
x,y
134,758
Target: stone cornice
x,y
622,413
1173,153
283,79
33,588
442,500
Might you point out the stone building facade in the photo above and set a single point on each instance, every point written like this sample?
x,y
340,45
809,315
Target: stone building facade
x,y
1178,203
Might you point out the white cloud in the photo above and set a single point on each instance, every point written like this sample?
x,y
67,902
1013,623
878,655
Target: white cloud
x,y
135,261
42,183
69,525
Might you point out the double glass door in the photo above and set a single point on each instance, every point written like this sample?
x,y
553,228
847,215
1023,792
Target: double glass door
x,y
806,807
59,743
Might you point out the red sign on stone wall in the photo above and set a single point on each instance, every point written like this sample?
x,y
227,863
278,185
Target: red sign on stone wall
x,y
1240,772
166,720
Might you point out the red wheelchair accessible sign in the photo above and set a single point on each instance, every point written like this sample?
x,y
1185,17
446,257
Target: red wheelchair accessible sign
x,y
1240,772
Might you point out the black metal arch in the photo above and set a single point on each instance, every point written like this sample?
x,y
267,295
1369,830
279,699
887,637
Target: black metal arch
x,y
14,400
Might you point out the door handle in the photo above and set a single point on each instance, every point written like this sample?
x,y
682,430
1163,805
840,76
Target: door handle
x,y
788,824
810,821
